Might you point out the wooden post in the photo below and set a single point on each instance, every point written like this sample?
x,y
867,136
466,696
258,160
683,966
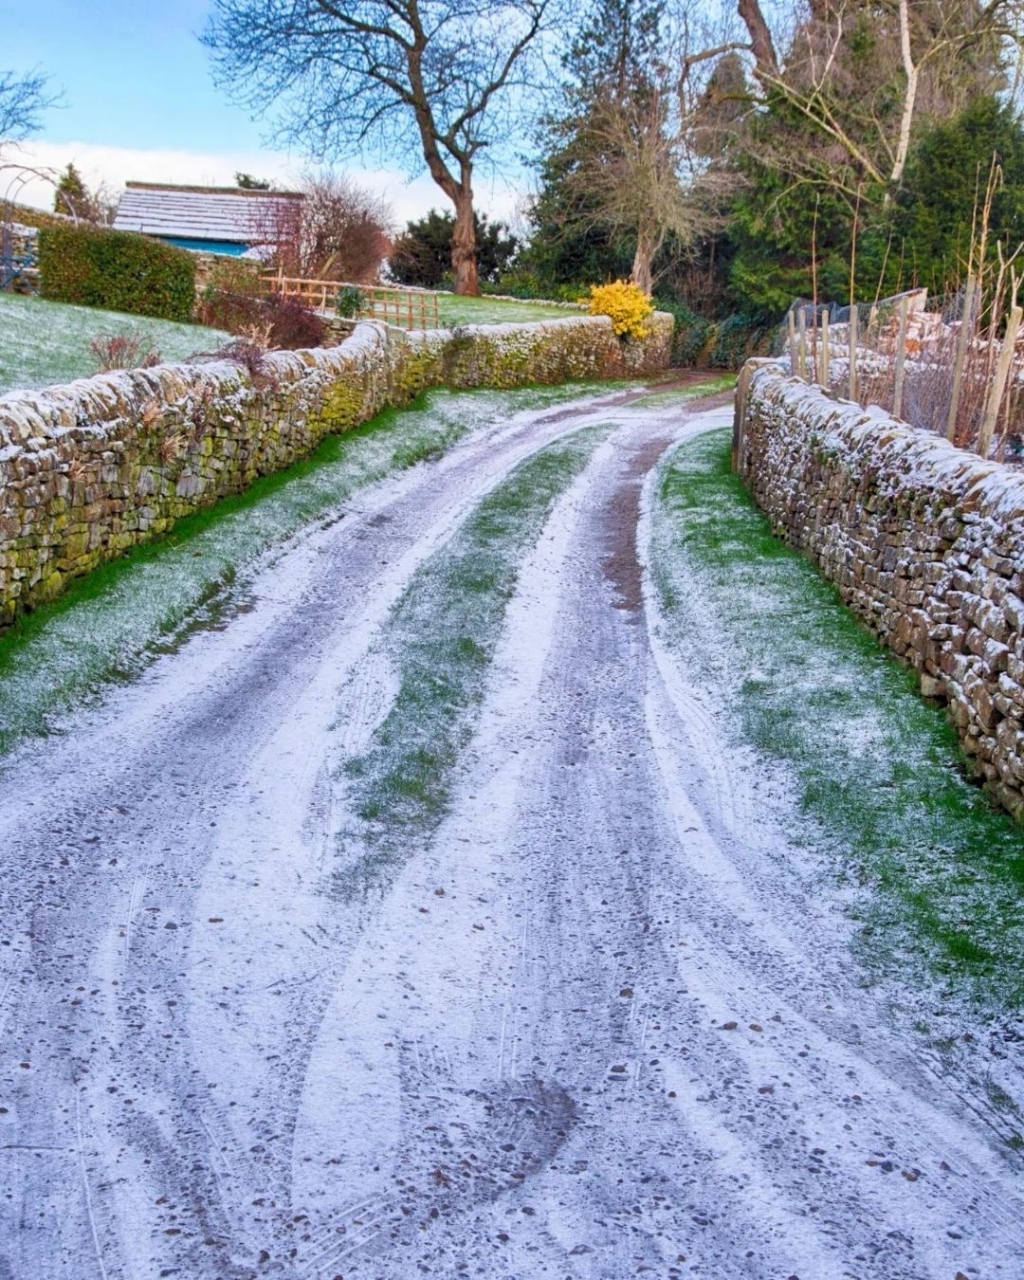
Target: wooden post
x,y
998,387
823,359
852,375
801,326
792,343
963,338
901,356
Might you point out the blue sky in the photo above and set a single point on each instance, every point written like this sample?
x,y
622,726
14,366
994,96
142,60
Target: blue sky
x,y
139,102
134,74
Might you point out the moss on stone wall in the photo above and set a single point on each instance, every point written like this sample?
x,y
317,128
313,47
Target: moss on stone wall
x,y
89,470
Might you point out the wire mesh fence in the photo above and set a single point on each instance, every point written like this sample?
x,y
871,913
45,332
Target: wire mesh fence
x,y
952,364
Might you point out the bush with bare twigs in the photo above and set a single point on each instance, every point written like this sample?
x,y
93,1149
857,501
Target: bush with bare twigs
x,y
123,351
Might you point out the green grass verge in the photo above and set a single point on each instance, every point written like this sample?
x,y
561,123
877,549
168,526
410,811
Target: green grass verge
x,y
671,396
457,310
110,624
938,869
43,343
441,639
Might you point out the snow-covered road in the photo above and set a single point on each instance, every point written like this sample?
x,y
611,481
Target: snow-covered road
x,y
587,1023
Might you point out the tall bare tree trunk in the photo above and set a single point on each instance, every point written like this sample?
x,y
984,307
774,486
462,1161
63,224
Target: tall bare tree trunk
x,y
642,273
909,96
464,242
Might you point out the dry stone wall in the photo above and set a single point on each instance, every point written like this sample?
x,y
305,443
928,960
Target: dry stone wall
x,y
924,541
90,469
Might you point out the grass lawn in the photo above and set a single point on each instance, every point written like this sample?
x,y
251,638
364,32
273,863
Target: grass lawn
x,y
440,640
935,870
456,310
42,343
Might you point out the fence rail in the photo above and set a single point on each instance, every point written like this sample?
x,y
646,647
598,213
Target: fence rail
x,y
405,308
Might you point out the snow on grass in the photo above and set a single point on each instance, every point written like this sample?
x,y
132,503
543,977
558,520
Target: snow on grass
x,y
934,871
440,641
455,310
43,343
671,397
112,623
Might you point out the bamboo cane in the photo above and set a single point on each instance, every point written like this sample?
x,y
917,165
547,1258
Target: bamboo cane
x,y
852,373
823,368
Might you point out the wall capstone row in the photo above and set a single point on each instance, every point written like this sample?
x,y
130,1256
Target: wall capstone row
x,y
923,540
91,469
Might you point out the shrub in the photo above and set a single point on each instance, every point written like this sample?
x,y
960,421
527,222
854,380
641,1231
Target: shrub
x,y
123,351
736,338
248,355
116,270
526,284
690,333
292,325
626,304
348,302
226,309
272,320
235,275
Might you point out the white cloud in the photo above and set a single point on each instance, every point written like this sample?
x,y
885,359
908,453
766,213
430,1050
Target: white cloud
x,y
114,166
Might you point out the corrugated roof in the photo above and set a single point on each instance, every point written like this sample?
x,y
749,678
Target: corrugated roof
x,y
202,213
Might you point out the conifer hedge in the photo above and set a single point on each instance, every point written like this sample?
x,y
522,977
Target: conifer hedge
x,y
116,270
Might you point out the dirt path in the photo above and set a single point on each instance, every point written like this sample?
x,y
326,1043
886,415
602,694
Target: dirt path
x,y
589,1025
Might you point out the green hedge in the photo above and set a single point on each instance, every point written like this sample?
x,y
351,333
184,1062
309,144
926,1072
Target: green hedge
x,y
116,270
713,344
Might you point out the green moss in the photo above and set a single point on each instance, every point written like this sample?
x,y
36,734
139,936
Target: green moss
x,y
342,409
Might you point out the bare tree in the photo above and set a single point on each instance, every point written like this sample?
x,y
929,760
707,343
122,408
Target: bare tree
x,y
337,231
639,175
624,155
22,99
432,79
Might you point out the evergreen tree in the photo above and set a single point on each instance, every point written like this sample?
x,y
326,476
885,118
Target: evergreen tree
x,y
422,253
72,196
942,190
838,119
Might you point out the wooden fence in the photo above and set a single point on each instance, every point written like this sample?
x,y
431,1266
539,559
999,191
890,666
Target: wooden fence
x,y
405,308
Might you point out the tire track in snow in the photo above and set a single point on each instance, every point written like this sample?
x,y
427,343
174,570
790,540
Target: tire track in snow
x,y
474,1071
143,789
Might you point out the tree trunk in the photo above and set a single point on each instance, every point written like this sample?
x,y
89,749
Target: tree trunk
x,y
761,45
464,243
909,97
642,273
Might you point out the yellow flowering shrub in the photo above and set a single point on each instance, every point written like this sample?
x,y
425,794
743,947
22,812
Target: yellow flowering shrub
x,y
626,304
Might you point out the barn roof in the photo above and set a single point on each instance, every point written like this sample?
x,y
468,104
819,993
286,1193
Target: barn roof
x,y
230,214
